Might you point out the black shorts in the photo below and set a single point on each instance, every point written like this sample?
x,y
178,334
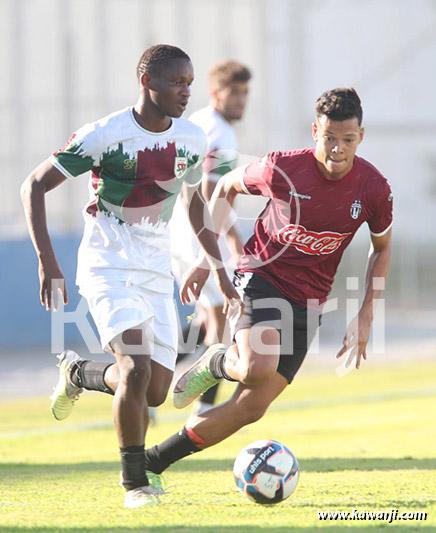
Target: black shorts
x,y
297,324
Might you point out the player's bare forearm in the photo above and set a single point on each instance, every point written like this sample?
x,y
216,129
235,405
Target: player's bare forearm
x,y
223,197
33,197
202,225
228,224
358,332
206,221
43,179
203,228
234,240
376,272
208,185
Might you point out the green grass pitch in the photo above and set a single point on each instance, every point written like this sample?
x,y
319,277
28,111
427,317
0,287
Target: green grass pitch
x,y
365,441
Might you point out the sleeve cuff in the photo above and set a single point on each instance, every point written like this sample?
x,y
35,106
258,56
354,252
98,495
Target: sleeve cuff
x,y
242,183
61,169
382,232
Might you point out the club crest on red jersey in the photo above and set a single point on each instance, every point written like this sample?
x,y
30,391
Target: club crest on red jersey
x,y
355,209
180,166
311,242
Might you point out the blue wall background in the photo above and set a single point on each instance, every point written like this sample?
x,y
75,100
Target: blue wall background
x,y
24,322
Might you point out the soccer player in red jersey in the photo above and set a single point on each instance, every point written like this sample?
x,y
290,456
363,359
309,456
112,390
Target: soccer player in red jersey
x,y
140,158
318,198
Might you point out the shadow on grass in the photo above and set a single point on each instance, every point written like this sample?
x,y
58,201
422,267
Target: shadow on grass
x,y
225,529
332,464
338,464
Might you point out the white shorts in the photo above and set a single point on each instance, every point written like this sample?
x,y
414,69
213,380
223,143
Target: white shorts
x,y
118,307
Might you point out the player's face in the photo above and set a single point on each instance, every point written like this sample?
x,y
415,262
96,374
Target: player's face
x,y
230,101
170,89
336,145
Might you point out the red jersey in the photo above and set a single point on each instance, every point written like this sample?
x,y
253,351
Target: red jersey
x,y
300,236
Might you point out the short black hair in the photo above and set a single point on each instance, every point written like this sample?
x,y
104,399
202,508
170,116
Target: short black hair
x,y
226,72
340,104
156,57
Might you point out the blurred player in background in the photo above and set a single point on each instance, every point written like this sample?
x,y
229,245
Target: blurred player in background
x,y
228,87
139,158
318,199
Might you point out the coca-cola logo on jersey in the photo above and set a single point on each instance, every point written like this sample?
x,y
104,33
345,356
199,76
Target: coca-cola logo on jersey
x,y
310,242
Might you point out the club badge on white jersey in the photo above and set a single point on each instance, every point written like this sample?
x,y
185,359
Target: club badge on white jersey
x,y
180,166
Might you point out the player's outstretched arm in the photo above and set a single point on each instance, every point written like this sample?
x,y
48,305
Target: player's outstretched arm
x,y
232,234
223,198
43,179
358,331
203,228
207,226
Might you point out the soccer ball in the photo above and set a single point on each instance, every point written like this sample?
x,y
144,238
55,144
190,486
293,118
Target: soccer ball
x,y
266,471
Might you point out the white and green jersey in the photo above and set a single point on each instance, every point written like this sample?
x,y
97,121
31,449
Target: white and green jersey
x,y
136,176
222,143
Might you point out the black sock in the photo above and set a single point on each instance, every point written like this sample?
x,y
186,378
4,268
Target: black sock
x,y
210,395
133,467
217,367
160,457
89,375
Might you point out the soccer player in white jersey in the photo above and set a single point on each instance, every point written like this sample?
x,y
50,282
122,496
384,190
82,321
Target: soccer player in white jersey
x,y
140,158
228,86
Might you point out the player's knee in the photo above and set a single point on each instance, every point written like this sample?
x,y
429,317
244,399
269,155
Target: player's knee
x,y
135,371
156,401
156,397
158,386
